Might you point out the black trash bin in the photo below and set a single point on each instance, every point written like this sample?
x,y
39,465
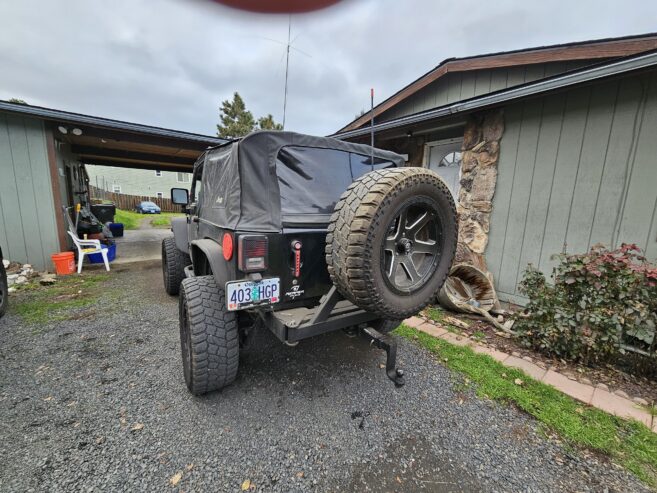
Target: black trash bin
x,y
104,212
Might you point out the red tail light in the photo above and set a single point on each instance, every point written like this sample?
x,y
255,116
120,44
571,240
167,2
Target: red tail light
x,y
252,253
227,246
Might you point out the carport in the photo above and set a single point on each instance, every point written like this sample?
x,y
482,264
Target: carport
x,y
42,152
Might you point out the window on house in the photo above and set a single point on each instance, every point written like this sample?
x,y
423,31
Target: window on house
x,y
158,172
160,195
444,157
116,188
184,177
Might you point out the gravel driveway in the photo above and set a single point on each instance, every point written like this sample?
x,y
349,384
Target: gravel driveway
x,y
98,403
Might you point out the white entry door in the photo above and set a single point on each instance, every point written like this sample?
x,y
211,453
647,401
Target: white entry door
x,y
444,157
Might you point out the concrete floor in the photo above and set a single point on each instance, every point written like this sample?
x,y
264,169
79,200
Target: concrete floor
x,y
140,244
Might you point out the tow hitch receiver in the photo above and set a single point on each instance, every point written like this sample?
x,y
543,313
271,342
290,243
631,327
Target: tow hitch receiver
x,y
389,345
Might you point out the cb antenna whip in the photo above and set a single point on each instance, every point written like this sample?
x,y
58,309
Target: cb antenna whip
x,y
372,125
287,65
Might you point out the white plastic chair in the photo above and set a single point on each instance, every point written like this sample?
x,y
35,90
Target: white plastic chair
x,y
87,247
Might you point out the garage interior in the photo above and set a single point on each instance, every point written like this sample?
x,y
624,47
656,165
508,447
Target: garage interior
x,y
42,156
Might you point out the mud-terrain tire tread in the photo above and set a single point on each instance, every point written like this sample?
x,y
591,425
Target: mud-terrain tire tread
x,y
349,241
5,290
173,266
213,336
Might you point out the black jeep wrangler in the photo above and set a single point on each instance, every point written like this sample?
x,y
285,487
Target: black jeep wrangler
x,y
302,235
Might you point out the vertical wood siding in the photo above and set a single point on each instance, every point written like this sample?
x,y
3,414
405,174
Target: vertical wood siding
x,y
28,230
575,169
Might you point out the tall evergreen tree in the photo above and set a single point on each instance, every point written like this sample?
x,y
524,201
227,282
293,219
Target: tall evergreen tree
x,y
268,123
236,120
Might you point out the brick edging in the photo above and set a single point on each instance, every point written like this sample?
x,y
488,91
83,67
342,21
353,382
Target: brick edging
x,y
592,396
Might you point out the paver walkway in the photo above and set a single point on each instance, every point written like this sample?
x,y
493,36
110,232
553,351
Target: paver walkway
x,y
593,396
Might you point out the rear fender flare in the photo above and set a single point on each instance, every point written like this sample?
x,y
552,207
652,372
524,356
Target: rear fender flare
x,y
208,253
179,228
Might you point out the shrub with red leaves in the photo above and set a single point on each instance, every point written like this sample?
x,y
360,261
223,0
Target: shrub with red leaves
x,y
599,303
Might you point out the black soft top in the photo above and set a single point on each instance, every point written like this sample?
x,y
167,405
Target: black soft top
x,y
241,188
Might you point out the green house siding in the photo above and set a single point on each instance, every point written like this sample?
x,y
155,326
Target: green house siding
x,y
575,169
457,86
28,230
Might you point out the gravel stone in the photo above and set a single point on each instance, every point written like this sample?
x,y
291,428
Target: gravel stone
x,y
72,392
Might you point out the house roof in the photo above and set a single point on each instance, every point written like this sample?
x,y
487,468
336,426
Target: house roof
x,y
585,50
111,142
585,75
97,121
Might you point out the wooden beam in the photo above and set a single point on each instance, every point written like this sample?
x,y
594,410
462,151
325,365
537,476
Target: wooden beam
x,y
130,156
118,163
56,191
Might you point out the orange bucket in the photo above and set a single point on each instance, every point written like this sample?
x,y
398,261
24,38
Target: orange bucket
x,y
64,262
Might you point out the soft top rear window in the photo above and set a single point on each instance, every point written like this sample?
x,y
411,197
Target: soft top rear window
x,y
311,179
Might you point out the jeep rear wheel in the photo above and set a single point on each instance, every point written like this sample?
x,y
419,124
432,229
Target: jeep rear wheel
x,y
173,266
209,339
391,240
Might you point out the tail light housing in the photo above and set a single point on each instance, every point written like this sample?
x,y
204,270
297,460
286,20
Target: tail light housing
x,y
296,252
252,253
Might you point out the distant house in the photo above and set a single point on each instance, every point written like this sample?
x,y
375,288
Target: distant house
x,y
130,181
546,149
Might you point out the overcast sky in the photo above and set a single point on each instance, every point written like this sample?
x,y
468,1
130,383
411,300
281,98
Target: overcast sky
x,y
171,62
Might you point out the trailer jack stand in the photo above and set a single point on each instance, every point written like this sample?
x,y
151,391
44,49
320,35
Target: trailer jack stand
x,y
389,345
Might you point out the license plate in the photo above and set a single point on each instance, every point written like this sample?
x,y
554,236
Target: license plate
x,y
247,294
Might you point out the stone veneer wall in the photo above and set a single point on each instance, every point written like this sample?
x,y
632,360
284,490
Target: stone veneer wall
x,y
481,150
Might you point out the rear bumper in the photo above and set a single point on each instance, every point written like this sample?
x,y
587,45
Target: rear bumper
x,y
333,313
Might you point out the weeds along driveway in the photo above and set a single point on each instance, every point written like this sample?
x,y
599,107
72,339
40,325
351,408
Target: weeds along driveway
x,y
98,402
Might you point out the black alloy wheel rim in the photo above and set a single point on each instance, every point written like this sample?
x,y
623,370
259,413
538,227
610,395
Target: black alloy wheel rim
x,y
412,246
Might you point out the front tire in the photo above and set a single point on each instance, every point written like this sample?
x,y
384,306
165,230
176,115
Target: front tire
x,y
209,339
4,290
173,266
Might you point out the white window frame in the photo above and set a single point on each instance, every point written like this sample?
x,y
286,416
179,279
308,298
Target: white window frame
x,y
158,172
116,188
188,175
438,143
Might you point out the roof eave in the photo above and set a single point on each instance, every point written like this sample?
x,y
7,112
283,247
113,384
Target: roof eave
x,y
625,65
76,118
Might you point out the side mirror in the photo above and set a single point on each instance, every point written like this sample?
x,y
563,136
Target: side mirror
x,y
179,196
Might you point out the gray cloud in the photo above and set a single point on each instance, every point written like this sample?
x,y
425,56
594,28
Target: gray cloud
x,y
171,62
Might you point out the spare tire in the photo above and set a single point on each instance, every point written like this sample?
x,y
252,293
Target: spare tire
x,y
391,241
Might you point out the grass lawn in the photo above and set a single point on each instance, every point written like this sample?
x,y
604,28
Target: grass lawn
x,y
629,443
38,304
164,220
132,220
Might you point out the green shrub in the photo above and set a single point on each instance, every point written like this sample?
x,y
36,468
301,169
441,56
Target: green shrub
x,y
598,303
